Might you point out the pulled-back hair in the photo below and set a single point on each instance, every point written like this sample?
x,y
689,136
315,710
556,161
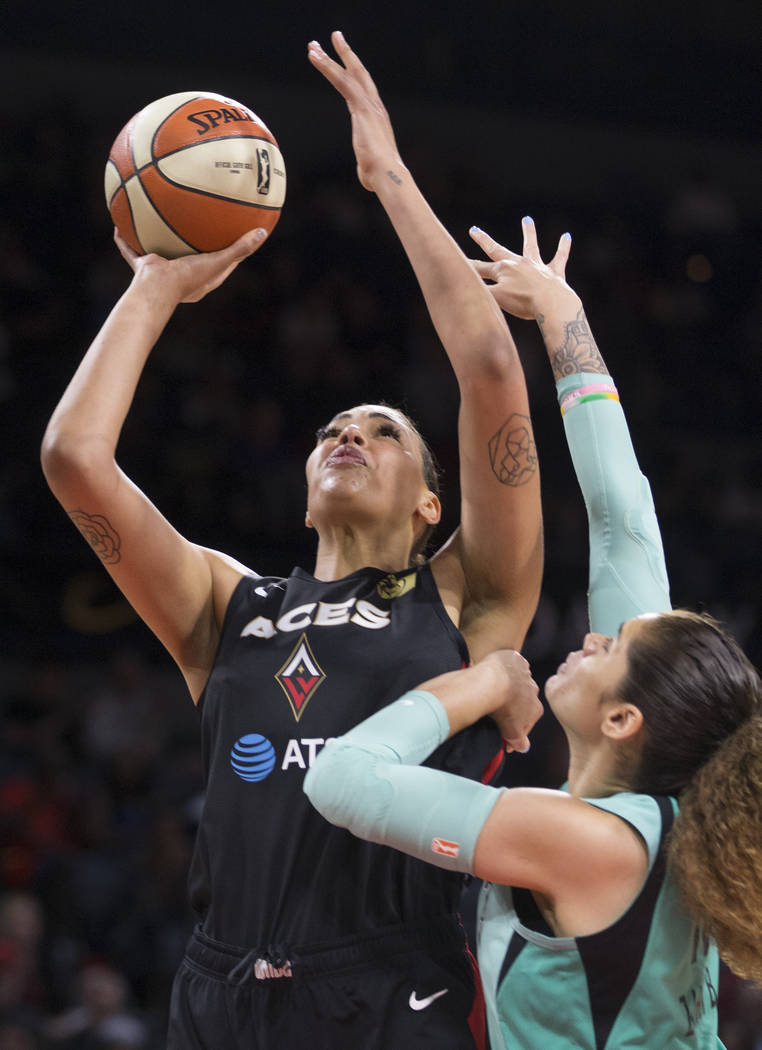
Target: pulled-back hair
x,y
701,701
694,686
430,476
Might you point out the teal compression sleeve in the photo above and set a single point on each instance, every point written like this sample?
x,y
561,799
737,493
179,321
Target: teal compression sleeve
x,y
368,781
627,571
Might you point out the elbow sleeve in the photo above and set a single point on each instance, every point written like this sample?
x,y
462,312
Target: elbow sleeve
x,y
360,782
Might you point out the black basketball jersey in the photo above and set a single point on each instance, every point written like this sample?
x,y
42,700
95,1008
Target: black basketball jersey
x,y
301,661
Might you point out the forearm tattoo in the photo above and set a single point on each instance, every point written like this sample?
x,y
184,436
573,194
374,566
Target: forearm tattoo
x,y
578,352
512,452
100,534
394,178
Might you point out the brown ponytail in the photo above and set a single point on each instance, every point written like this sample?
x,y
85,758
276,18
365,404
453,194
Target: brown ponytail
x,y
715,849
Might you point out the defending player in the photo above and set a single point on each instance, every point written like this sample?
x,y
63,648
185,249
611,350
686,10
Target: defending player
x,y
584,939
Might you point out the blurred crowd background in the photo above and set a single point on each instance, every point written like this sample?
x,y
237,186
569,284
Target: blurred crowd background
x,y
633,130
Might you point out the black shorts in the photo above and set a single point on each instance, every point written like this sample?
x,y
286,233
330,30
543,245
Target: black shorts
x,y
401,987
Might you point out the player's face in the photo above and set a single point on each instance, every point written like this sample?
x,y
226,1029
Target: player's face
x,y
589,676
368,458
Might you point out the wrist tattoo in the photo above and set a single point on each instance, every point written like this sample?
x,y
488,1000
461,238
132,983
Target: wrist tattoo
x,y
100,534
394,178
512,452
578,352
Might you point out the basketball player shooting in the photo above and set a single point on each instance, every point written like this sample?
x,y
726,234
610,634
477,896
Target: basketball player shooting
x,y
308,937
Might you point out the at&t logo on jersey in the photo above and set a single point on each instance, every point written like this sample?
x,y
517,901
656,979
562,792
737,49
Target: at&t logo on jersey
x,y
253,756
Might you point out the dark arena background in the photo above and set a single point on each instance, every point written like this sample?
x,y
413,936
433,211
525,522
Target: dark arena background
x,y
636,127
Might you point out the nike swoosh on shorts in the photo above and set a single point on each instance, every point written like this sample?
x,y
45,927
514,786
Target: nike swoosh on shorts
x,y
421,1004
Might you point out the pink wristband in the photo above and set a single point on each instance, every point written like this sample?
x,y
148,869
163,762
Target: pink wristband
x,y
592,392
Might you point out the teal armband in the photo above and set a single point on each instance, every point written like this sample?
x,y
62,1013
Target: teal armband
x,y
363,781
628,575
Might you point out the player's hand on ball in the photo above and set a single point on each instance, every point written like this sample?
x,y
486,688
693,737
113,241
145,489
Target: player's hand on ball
x,y
521,706
372,134
523,284
191,277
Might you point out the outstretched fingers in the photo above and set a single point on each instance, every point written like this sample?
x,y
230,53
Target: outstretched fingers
x,y
490,271
345,75
333,72
531,248
558,263
489,246
500,256
351,62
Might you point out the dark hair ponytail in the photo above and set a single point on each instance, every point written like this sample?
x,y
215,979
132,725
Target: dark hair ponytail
x,y
701,703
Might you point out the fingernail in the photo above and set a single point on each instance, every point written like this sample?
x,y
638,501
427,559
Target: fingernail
x,y
567,236
475,229
528,220
525,749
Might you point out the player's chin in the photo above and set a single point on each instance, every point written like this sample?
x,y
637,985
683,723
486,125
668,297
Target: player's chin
x,y
551,687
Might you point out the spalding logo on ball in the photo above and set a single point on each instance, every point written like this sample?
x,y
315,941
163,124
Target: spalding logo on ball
x,y
192,172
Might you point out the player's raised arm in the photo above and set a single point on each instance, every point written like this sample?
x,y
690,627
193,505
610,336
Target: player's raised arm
x,y
627,572
489,572
177,588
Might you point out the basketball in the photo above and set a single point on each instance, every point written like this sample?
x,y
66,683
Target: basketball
x,y
190,173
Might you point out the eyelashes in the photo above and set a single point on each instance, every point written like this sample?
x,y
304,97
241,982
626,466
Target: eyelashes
x,y
384,429
390,430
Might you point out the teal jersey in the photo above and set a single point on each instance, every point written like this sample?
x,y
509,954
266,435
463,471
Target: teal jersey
x,y
648,980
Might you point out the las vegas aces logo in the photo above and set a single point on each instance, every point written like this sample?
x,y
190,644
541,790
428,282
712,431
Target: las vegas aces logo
x,y
300,676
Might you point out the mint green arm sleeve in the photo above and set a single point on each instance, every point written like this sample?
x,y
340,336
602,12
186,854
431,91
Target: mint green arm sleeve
x,y
627,571
369,782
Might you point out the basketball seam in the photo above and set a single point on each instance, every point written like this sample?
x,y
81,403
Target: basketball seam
x,y
158,211
129,202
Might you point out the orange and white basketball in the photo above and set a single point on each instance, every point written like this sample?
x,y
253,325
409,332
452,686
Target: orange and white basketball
x,y
191,172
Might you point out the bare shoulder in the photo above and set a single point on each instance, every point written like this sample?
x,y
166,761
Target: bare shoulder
x,y
599,891
587,864
197,654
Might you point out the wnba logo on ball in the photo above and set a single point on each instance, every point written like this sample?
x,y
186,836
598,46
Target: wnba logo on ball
x,y
263,170
253,757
